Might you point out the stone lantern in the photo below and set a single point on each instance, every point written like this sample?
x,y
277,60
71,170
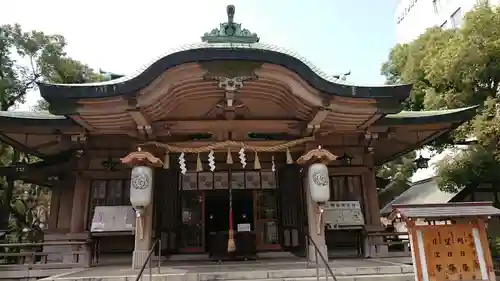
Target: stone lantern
x,y
317,186
141,197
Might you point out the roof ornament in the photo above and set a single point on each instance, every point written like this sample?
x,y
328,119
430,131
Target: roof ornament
x,y
230,32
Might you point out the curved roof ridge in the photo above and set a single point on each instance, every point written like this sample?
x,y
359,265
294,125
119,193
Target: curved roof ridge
x,y
202,45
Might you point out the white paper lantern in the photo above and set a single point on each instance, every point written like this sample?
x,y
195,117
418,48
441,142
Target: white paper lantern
x,y
141,183
319,182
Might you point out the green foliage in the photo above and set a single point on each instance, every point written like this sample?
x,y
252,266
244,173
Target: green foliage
x,y
451,69
27,57
399,170
469,166
29,207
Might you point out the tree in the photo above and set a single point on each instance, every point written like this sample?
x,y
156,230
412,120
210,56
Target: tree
x,y
457,68
26,58
399,171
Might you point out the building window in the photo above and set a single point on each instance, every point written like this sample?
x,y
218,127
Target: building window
x,y
457,18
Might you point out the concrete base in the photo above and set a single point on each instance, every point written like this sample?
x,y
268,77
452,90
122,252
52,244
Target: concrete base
x,y
139,258
312,253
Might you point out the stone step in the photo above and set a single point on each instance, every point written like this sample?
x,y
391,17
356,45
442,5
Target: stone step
x,y
398,273
372,277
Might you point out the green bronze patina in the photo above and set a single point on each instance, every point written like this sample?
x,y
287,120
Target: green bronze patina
x,y
230,32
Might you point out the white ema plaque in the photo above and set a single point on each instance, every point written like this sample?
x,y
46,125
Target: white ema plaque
x,y
244,227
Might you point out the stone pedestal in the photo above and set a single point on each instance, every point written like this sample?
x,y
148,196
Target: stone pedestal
x,y
139,258
142,246
312,219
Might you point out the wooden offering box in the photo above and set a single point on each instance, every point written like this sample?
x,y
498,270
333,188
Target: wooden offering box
x,y
448,241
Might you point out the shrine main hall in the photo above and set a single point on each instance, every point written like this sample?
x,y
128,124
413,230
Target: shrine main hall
x,y
233,125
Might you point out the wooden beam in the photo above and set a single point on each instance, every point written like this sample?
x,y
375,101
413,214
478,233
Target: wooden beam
x,y
143,125
199,126
48,144
82,123
315,121
370,121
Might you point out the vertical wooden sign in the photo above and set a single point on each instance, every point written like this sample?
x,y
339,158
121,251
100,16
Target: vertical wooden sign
x,y
449,253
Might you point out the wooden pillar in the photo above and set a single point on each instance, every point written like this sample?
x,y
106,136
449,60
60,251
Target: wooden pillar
x,y
370,189
65,208
79,204
371,204
55,199
8,193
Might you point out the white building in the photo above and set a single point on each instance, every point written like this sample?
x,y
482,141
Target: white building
x,y
413,17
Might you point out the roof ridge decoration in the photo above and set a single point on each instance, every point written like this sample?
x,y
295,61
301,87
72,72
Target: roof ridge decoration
x,y
230,32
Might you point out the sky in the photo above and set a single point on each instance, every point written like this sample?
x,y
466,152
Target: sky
x,y
121,36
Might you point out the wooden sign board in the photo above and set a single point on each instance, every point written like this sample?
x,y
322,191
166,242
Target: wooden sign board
x,y
449,252
343,213
113,219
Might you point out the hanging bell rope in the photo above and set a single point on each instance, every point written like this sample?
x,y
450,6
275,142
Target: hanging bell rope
x,y
228,144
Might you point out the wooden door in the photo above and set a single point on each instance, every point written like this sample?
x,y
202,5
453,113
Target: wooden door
x,y
166,208
291,208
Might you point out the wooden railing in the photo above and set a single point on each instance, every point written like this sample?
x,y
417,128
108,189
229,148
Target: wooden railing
x,y
46,255
388,244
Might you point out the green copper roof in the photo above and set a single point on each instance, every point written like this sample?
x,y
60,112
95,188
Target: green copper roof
x,y
18,119
230,32
429,116
31,115
427,113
